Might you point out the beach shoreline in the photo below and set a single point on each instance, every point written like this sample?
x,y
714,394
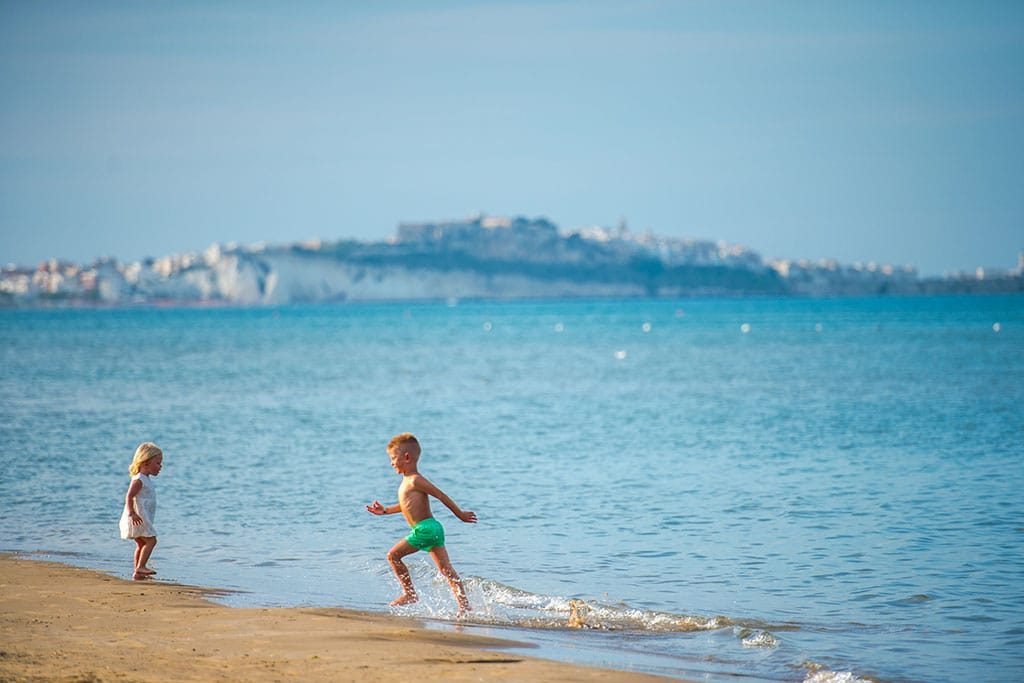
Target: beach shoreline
x,y
68,623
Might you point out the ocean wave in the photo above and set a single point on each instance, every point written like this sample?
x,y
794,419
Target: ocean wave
x,y
819,673
503,604
498,604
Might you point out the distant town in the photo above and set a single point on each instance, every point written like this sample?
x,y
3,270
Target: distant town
x,y
480,257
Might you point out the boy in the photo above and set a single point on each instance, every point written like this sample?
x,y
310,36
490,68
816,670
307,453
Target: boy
x,y
427,534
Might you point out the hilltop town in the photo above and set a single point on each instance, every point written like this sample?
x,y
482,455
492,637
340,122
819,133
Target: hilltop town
x,y
480,257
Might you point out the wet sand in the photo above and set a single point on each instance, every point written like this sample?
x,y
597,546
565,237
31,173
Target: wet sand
x,y
61,623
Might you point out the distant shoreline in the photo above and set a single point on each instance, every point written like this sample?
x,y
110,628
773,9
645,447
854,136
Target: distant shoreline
x,y
480,258
87,305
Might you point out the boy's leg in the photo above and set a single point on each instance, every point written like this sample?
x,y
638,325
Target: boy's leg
x,y
395,555
440,556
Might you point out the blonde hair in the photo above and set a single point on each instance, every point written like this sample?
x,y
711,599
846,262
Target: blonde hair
x,y
145,451
403,439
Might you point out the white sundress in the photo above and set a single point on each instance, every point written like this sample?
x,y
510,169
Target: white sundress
x,y
145,505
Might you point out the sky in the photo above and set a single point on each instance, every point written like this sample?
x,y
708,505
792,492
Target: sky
x,y
868,131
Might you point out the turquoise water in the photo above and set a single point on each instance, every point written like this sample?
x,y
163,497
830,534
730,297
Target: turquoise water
x,y
770,489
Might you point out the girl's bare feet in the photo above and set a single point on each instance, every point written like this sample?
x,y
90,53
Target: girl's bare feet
x,y
145,570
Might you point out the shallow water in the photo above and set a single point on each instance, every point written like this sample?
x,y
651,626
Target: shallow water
x,y
770,489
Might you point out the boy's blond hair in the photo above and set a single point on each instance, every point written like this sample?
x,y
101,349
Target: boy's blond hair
x,y
145,451
401,440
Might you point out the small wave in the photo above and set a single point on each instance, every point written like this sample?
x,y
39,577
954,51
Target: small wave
x,y
497,604
819,673
834,677
758,639
54,553
502,604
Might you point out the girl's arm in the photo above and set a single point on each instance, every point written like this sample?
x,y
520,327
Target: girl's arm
x,y
425,485
129,500
379,509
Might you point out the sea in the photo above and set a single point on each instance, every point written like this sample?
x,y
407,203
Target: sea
x,y
739,489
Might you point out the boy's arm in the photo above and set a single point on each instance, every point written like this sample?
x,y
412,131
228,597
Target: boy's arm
x,y
129,501
424,485
379,509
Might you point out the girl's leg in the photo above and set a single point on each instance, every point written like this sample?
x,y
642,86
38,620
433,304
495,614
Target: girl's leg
x,y
139,543
148,543
395,555
440,556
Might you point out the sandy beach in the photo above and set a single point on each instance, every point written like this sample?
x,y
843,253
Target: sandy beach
x,y
68,624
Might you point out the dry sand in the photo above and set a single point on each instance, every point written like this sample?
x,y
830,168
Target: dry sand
x,y
60,623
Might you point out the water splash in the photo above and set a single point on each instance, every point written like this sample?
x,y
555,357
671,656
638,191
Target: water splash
x,y
497,604
758,639
819,673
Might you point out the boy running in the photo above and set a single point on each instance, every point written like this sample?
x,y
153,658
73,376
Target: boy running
x,y
427,533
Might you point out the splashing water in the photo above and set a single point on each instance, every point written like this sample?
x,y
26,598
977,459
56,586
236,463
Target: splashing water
x,y
818,673
497,604
506,605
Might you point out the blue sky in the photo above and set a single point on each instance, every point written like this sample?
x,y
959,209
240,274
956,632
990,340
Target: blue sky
x,y
861,131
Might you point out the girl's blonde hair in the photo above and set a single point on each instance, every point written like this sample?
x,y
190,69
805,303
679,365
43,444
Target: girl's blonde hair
x,y
144,452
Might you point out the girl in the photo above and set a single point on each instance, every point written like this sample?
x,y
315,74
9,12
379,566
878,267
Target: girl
x,y
140,506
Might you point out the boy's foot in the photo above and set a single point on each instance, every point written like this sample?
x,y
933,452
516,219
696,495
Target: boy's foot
x,y
463,609
404,599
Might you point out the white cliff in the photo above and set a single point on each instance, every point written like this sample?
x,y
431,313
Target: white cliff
x,y
476,258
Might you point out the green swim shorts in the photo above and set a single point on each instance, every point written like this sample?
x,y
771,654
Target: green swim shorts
x,y
426,535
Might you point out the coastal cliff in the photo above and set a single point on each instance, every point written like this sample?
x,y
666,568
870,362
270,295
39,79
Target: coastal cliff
x,y
479,257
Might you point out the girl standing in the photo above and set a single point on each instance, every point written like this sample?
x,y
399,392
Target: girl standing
x,y
140,506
